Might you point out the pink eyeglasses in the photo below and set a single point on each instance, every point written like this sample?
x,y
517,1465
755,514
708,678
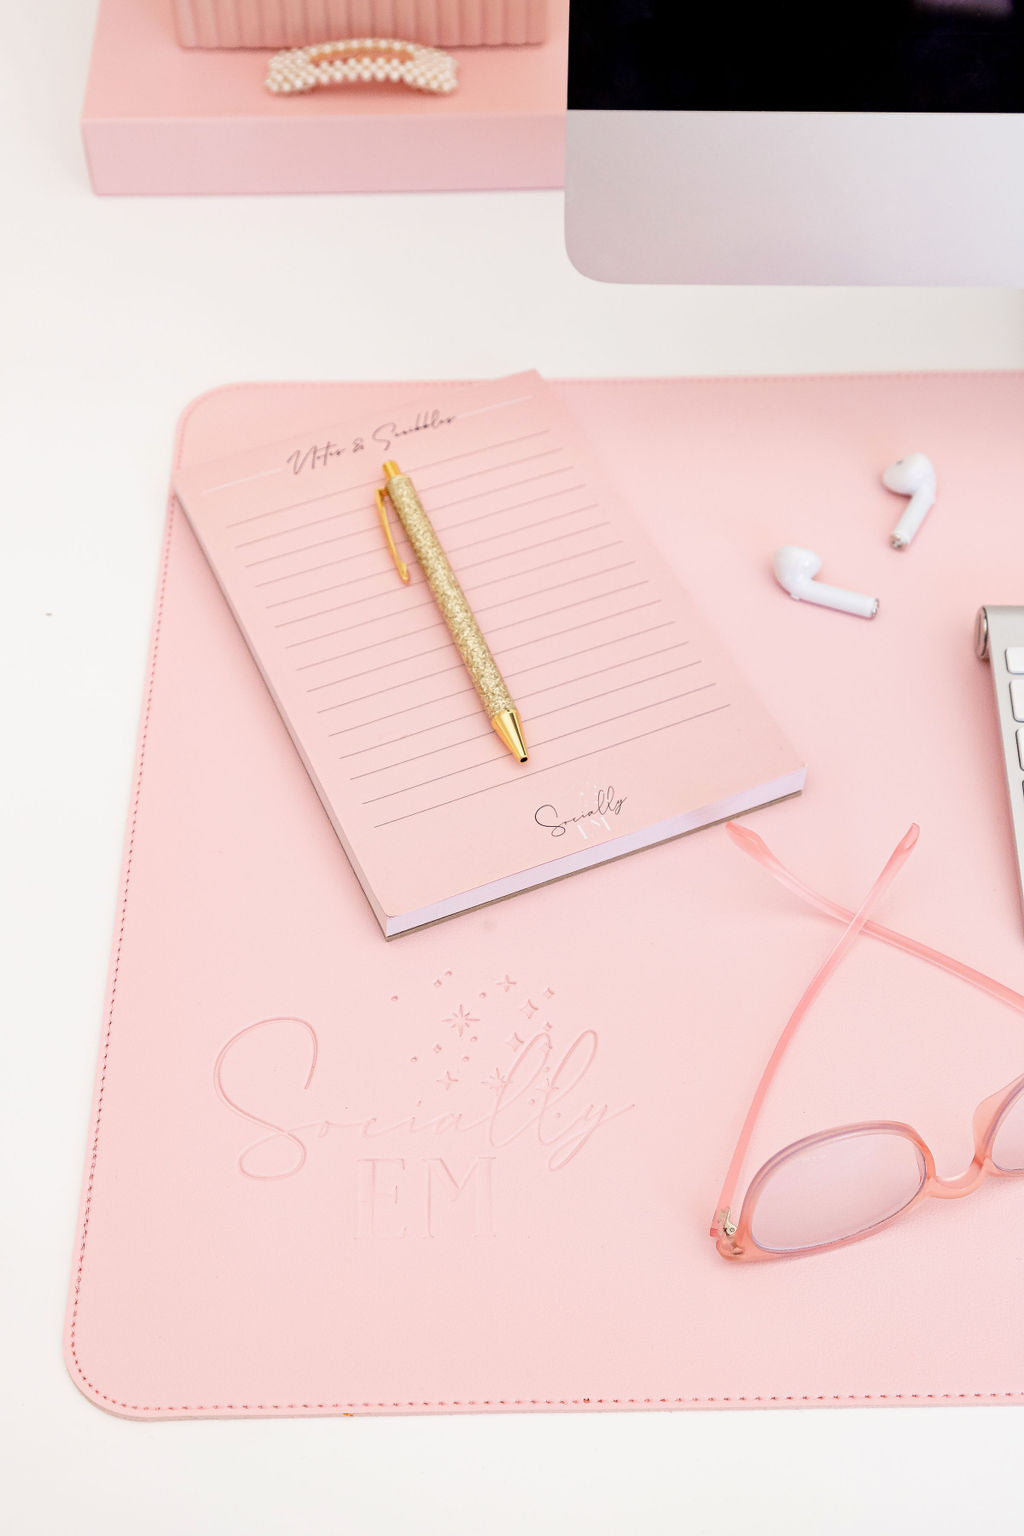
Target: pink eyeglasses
x,y
840,1185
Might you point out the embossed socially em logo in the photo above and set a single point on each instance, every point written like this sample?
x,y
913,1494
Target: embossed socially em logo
x,y
412,1165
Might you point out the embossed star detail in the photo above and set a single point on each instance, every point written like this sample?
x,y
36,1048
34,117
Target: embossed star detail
x,y
460,1020
514,1042
496,1081
446,1081
507,983
529,1008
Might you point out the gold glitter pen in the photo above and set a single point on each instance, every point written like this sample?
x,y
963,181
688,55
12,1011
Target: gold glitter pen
x,y
451,600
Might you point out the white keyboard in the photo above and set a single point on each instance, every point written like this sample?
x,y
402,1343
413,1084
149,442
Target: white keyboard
x,y
999,639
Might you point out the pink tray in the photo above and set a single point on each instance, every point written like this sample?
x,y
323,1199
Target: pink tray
x,y
297,1197
163,119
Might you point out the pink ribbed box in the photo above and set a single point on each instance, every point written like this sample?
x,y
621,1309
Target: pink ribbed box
x,y
293,23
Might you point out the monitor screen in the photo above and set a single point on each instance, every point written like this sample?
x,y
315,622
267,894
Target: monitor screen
x,y
832,142
843,56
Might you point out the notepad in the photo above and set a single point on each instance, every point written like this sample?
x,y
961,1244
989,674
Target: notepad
x,y
639,726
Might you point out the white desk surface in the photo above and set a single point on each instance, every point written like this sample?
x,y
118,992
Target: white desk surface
x,y
115,313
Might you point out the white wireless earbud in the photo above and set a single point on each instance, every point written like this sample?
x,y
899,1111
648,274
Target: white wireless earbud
x,y
912,476
795,570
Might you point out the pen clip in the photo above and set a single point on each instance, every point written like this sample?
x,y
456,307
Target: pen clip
x,y
382,513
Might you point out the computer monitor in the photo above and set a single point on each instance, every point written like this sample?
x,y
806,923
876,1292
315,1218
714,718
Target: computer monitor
x,y
841,141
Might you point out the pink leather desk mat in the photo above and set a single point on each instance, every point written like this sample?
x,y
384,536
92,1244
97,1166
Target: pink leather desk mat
x,y
307,1190
162,119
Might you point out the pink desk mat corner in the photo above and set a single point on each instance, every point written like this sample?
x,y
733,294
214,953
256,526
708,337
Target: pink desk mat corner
x,y
161,119
298,1197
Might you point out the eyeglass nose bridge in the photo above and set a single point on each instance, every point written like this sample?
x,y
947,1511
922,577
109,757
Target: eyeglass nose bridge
x,y
986,1121
963,1183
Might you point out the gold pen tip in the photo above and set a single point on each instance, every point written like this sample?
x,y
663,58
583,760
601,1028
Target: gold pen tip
x,y
509,729
391,469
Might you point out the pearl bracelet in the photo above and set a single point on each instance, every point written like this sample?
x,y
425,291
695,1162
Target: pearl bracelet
x,y
363,59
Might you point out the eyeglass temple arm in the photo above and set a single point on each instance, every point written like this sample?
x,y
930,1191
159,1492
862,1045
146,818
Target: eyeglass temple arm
x,y
750,843
855,922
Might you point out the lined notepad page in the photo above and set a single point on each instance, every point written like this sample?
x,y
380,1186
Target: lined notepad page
x,y
638,727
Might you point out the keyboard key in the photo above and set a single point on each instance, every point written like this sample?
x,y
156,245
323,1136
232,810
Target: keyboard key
x,y
1017,699
1015,659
